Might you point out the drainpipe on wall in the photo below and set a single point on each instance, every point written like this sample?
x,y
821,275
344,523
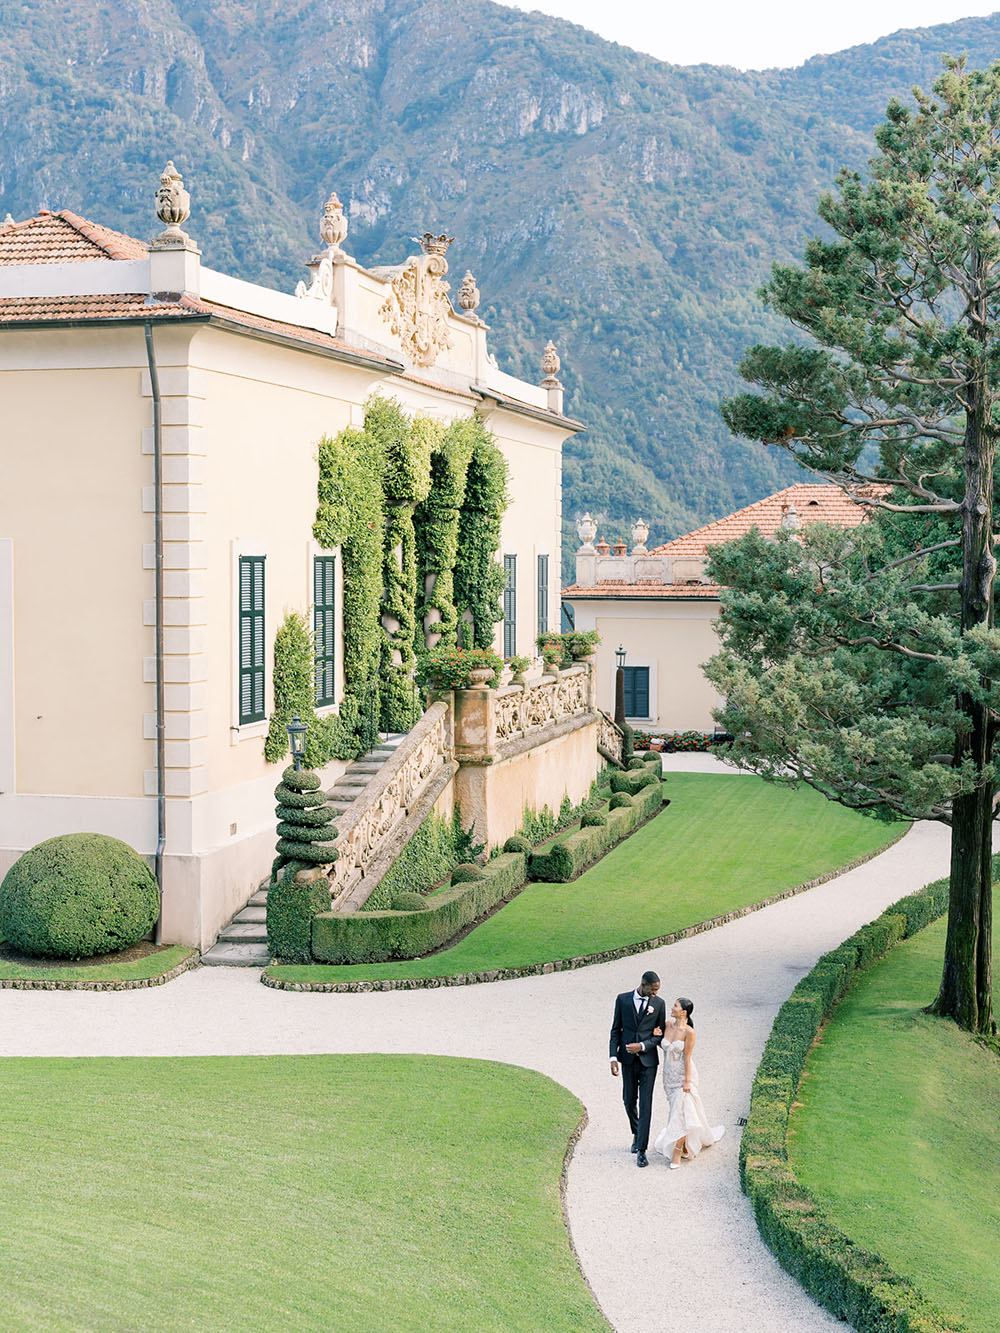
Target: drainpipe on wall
x,y
161,803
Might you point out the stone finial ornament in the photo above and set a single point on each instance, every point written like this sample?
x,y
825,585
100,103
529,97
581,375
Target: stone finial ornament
x,y
586,530
468,294
620,548
333,225
550,364
640,531
7,222
790,516
173,204
434,245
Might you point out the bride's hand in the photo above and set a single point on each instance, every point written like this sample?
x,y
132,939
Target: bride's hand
x,y
657,1032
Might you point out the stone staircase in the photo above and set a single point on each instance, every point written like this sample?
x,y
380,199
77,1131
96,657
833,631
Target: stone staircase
x,y
243,943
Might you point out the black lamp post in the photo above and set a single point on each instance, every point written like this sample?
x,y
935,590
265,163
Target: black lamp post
x,y
620,687
297,740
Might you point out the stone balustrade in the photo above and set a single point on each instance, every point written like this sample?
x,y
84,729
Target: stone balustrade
x,y
523,709
610,739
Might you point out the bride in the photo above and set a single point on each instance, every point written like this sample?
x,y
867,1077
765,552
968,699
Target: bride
x,y
687,1130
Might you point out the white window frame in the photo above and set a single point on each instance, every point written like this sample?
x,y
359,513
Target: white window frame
x,y
248,730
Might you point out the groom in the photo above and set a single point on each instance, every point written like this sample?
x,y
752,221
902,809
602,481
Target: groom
x,y
634,1053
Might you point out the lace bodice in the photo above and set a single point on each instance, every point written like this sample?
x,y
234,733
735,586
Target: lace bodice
x,y
673,1064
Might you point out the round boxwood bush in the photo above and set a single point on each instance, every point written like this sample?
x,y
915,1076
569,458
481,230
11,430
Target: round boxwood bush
x,y
467,871
78,895
619,799
517,843
560,863
408,901
593,819
637,762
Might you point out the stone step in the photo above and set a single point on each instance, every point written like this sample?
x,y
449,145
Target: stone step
x,y
252,912
249,933
236,955
260,897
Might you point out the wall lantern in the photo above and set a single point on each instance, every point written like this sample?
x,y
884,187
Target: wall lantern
x,y
297,740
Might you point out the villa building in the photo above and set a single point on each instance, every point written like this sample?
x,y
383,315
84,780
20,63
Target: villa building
x,y
155,409
661,608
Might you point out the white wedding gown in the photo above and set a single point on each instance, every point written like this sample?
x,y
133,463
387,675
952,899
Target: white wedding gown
x,y
687,1117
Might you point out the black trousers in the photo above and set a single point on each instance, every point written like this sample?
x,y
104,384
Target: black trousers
x,y
638,1082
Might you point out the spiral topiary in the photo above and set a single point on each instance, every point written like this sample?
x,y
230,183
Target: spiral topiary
x,y
78,895
305,824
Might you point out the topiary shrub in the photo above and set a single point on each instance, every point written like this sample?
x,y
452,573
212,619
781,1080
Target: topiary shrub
x,y
560,863
467,872
633,781
517,843
619,800
291,906
304,831
78,895
636,762
409,902
593,819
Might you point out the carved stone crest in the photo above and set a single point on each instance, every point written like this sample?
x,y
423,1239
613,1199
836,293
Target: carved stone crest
x,y
417,309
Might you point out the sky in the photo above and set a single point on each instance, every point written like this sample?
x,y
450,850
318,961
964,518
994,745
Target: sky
x,y
752,36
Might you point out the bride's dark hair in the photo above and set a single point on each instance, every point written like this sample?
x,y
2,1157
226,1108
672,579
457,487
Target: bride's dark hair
x,y
688,1007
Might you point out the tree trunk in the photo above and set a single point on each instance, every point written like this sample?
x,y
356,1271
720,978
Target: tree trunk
x,y
966,983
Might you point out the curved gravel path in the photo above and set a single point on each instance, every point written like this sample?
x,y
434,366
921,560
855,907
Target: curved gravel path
x,y
631,1228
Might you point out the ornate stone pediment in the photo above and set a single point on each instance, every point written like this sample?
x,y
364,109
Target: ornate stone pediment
x,y
417,309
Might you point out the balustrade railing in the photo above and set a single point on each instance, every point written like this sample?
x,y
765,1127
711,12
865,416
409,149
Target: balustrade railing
x,y
610,739
522,709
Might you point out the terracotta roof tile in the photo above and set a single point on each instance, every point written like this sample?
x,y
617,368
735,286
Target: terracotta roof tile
x,y
680,591
64,238
814,502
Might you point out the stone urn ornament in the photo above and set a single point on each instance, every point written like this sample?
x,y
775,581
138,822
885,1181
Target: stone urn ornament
x,y
586,530
468,294
480,677
550,364
640,532
173,204
333,226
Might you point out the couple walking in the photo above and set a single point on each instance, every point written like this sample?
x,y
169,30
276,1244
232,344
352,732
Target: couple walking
x,y
639,1028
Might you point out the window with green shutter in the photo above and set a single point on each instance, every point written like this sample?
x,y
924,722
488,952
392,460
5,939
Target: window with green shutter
x,y
636,691
510,606
325,626
543,594
251,638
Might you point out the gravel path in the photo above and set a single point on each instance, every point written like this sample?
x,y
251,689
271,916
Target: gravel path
x,y
631,1228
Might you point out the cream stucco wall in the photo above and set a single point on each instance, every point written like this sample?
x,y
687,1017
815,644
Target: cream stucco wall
x,y
673,638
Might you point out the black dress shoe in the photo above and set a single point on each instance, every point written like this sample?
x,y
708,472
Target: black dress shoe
x,y
635,1146
641,1159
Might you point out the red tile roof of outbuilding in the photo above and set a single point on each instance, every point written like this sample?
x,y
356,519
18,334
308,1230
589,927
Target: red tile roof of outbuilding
x,y
64,238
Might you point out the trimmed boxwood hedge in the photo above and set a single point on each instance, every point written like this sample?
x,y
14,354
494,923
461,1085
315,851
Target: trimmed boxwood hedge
x,y
563,860
633,781
374,937
854,1284
76,896
290,911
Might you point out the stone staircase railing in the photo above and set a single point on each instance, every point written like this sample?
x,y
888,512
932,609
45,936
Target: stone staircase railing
x,y
524,709
374,828
610,740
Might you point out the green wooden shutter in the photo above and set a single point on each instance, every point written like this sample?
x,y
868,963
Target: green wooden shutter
x,y
543,594
637,691
251,638
510,606
325,626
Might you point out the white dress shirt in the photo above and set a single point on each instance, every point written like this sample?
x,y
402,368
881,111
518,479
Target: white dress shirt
x,y
638,1000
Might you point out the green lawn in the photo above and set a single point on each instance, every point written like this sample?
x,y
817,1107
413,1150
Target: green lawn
x,y
725,842
137,969
288,1193
898,1135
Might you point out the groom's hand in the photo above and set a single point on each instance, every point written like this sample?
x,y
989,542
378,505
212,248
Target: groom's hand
x,y
634,1047
614,1068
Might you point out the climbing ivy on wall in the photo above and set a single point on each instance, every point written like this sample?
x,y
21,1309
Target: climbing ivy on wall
x,y
404,447
479,575
295,692
351,515
436,524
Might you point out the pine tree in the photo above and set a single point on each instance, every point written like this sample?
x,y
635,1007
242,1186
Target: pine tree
x,y
865,663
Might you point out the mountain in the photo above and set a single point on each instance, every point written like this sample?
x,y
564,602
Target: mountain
x,y
627,208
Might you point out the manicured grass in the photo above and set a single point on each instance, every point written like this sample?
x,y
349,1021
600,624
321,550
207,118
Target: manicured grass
x,y
135,969
898,1135
725,842
286,1193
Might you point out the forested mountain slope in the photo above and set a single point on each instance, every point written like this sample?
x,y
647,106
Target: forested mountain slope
x,y
625,207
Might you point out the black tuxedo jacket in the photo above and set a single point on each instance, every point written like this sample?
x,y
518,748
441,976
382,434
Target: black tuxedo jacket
x,y
627,1026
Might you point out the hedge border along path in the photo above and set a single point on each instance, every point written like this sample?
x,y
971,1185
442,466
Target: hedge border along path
x,y
193,959
854,1284
568,964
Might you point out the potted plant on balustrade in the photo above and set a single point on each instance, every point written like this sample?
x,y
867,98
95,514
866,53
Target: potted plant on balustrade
x,y
553,649
460,669
518,666
583,644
